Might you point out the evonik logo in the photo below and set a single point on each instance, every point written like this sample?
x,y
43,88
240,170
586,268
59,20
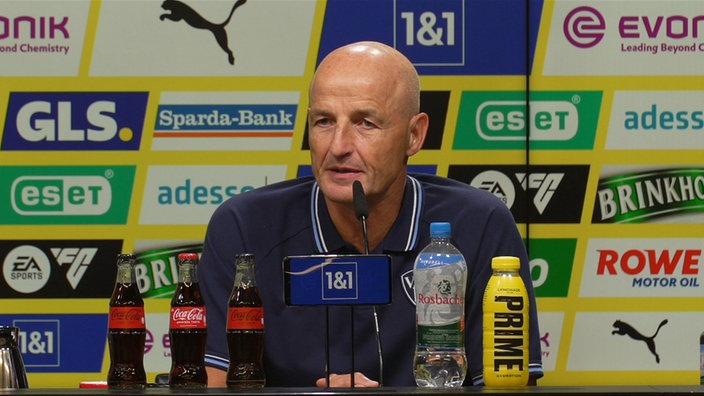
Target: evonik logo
x,y
34,34
74,120
584,27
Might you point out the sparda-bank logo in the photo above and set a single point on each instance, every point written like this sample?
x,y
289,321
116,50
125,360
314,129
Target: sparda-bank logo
x,y
81,121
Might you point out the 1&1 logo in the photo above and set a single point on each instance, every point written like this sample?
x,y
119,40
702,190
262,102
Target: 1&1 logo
x,y
74,121
65,194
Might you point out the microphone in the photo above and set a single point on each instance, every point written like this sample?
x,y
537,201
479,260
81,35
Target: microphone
x,y
362,212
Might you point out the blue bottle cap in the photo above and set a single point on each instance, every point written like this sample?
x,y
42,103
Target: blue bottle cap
x,y
440,230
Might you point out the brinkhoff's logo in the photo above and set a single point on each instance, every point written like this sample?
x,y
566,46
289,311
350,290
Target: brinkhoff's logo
x,y
623,328
181,11
636,197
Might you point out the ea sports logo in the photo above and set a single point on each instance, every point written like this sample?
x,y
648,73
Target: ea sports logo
x,y
584,27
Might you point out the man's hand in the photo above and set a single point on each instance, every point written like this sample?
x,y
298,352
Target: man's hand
x,y
343,381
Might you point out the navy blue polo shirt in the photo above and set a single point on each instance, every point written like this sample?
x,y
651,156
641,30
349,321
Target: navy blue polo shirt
x,y
291,218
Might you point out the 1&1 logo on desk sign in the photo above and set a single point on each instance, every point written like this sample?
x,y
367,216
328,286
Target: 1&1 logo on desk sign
x,y
337,280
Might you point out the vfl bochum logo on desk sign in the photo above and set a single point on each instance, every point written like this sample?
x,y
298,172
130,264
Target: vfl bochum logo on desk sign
x,y
337,280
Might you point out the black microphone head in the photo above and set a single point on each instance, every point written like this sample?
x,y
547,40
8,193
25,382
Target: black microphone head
x,y
360,200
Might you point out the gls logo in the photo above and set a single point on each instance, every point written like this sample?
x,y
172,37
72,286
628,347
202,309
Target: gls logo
x,y
74,120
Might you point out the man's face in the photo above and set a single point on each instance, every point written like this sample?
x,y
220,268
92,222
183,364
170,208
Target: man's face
x,y
358,130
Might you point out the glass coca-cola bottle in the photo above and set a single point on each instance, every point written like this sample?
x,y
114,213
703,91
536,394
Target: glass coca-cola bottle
x,y
245,328
187,328
126,329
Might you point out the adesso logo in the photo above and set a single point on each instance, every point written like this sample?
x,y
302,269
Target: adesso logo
x,y
74,120
65,194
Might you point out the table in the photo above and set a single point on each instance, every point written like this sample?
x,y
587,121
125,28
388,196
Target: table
x,y
666,390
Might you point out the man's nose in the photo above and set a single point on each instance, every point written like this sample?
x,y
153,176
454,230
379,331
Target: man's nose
x,y
343,139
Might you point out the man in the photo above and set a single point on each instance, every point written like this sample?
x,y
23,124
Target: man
x,y
364,124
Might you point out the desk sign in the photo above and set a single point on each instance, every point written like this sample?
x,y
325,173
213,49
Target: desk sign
x,y
337,280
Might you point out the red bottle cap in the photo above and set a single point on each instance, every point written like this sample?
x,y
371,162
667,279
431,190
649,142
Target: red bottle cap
x,y
187,256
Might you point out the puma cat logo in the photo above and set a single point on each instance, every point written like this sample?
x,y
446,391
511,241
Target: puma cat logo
x,y
623,328
181,11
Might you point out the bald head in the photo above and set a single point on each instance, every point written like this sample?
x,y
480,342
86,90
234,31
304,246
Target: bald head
x,y
369,60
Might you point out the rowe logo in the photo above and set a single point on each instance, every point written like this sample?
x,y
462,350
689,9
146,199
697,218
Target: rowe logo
x,y
61,195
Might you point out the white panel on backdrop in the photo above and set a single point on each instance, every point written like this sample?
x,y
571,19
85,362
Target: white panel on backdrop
x,y
550,335
619,341
657,120
625,38
142,38
42,38
243,120
190,194
648,268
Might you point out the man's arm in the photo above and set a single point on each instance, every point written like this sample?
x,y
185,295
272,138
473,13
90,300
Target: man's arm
x,y
216,377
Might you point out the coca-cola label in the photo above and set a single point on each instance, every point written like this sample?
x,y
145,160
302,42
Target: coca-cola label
x,y
187,318
126,318
245,318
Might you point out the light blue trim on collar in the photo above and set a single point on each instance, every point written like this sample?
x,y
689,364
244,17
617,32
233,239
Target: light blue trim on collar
x,y
317,231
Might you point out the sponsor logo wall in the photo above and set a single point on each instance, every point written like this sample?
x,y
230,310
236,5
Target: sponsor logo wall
x,y
124,127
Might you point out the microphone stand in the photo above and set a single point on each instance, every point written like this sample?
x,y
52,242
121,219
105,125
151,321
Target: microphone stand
x,y
362,211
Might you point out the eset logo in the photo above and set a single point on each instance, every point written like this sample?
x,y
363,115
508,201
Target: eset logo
x,y
74,120
60,195
584,27
65,194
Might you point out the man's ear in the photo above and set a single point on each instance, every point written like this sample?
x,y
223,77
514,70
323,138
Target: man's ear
x,y
418,129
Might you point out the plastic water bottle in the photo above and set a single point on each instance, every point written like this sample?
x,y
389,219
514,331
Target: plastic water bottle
x,y
505,325
440,280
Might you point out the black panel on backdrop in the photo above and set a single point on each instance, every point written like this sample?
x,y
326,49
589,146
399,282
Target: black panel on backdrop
x,y
58,268
535,194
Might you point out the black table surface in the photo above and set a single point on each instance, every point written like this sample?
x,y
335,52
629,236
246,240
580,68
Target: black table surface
x,y
669,390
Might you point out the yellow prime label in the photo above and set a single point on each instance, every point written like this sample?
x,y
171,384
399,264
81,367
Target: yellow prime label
x,y
505,332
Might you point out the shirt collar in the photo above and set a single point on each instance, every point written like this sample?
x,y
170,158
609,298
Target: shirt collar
x,y
402,237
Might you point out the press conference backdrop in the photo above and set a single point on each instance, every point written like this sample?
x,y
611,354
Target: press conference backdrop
x,y
124,127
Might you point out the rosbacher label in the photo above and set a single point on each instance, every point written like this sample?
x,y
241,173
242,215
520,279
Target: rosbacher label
x,y
438,304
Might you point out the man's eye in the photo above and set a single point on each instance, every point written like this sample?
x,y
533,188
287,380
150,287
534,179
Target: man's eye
x,y
368,124
322,122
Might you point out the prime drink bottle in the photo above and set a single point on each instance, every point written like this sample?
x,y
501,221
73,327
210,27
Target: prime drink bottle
x,y
440,279
505,325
